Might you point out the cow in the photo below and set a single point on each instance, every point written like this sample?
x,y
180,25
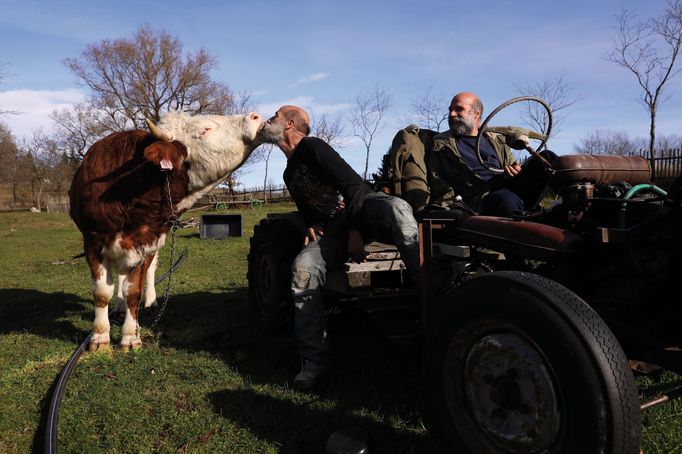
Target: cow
x,y
128,188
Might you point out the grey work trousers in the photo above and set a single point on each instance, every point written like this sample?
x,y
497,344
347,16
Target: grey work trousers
x,y
387,219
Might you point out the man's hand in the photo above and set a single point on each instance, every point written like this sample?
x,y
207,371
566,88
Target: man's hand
x,y
356,246
513,169
312,233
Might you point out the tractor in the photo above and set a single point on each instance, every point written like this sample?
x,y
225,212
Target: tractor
x,y
529,326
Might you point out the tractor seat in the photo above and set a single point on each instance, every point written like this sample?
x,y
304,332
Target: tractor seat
x,y
569,170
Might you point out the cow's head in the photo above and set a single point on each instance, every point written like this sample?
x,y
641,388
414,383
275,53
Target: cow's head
x,y
216,144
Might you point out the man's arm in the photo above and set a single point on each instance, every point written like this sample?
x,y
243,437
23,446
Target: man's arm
x,y
336,171
442,192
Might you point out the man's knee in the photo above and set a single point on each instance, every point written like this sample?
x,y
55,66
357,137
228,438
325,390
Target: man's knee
x,y
502,202
300,277
306,271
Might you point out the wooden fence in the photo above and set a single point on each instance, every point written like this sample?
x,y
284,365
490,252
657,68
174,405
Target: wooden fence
x,y
246,196
667,166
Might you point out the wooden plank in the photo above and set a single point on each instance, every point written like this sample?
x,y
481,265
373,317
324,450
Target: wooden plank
x,y
384,265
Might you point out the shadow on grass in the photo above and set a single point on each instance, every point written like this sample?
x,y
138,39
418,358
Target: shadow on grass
x,y
41,313
370,374
302,427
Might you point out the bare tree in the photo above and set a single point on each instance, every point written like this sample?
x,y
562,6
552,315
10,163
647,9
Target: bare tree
x,y
429,111
665,144
367,117
43,157
267,150
10,161
608,142
329,129
558,95
145,76
649,51
77,128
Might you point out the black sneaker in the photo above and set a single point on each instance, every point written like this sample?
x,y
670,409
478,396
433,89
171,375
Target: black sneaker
x,y
309,375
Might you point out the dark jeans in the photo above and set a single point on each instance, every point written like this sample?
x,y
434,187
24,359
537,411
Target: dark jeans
x,y
387,219
511,195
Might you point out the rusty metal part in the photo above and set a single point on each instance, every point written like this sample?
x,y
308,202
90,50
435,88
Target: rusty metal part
x,y
510,391
599,169
674,394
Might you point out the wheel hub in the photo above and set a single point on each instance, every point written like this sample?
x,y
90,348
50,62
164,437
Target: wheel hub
x,y
509,389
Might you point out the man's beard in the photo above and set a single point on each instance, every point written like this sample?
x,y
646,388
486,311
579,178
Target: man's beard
x,y
461,126
272,133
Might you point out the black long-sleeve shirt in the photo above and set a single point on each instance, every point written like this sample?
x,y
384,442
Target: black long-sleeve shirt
x,y
318,179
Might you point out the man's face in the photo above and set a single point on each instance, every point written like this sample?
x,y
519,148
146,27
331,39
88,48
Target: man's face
x,y
273,131
462,117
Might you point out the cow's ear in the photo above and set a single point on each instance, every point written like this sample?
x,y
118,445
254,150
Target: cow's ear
x,y
204,132
156,152
163,154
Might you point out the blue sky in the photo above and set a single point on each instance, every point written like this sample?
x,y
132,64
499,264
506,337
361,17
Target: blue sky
x,y
321,54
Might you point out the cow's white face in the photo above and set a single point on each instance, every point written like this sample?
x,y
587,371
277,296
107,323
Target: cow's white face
x,y
216,146
214,134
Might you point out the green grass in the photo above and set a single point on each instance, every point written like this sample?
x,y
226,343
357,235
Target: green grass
x,y
207,379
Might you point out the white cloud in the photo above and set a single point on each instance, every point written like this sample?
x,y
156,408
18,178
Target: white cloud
x,y
34,107
311,78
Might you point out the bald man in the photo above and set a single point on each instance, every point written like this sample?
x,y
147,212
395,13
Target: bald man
x,y
338,207
456,171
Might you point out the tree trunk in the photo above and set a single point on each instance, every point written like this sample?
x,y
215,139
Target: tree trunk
x,y
652,141
265,182
364,175
40,194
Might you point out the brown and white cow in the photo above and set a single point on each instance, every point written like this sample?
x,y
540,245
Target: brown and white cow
x,y
121,201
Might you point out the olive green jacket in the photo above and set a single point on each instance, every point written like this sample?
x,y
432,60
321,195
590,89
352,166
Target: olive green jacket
x,y
408,169
450,176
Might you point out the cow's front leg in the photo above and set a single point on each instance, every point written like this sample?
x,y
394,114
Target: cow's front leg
x,y
151,263
102,291
130,331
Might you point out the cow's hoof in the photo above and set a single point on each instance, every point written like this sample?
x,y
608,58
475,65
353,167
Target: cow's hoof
x,y
94,346
134,345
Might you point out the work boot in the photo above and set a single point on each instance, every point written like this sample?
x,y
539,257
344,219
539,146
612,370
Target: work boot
x,y
309,375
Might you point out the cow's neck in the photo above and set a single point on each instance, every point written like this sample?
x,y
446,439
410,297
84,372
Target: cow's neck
x,y
206,173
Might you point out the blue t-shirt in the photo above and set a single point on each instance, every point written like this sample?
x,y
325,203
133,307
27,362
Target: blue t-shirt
x,y
467,149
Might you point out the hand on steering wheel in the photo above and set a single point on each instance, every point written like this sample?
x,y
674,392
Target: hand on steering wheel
x,y
517,138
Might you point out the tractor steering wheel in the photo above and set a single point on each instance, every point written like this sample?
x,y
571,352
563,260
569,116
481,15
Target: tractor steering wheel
x,y
519,136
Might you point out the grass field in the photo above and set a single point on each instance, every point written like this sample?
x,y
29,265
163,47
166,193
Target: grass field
x,y
207,379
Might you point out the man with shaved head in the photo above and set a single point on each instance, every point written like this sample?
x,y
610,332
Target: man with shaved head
x,y
338,207
457,174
